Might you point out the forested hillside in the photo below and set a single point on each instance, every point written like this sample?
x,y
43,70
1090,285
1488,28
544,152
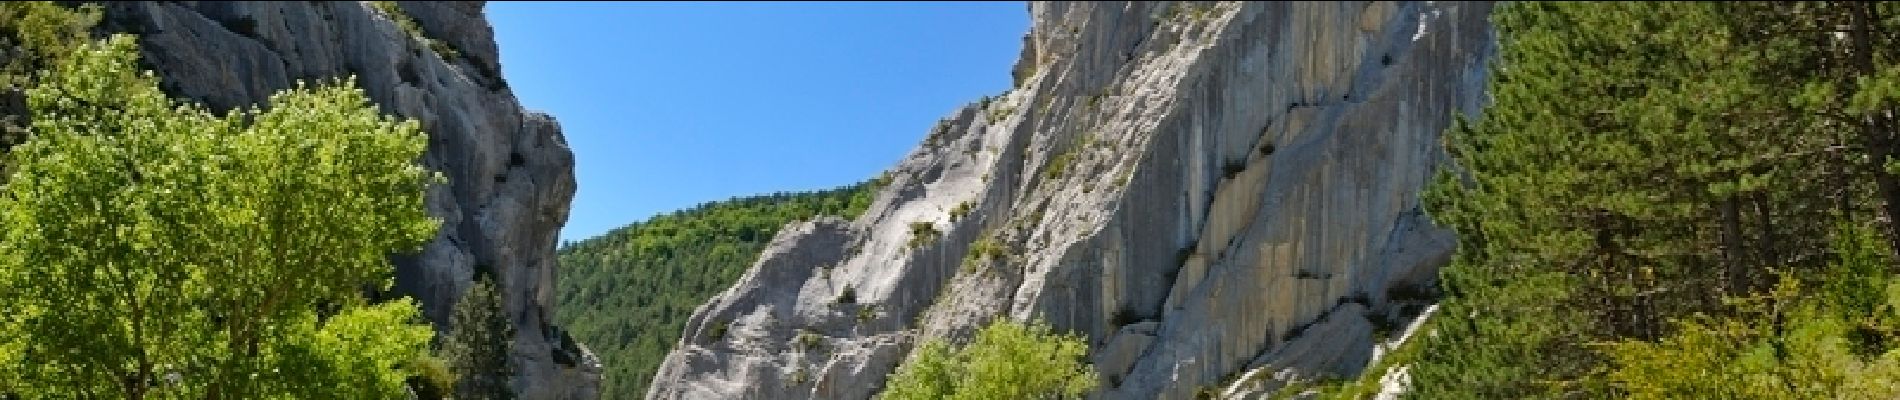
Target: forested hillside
x,y
1674,200
628,292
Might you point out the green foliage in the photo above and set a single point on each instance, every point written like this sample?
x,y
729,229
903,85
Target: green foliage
x,y
42,32
156,249
800,375
1638,164
362,353
848,296
1058,165
936,133
718,330
408,24
999,113
33,35
1022,73
808,340
430,377
627,294
883,179
985,249
1788,344
961,210
1008,360
1368,384
477,347
934,373
1183,11
922,233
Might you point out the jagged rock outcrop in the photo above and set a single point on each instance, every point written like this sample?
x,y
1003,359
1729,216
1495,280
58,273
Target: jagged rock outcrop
x,y
1203,189
510,171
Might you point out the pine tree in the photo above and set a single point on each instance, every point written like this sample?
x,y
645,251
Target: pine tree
x,y
1638,163
477,347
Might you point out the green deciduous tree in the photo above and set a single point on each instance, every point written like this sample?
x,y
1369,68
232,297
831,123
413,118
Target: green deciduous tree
x,y
152,249
360,353
1007,360
33,34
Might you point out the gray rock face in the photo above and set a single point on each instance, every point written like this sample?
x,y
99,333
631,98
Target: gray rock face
x,y
1202,189
510,171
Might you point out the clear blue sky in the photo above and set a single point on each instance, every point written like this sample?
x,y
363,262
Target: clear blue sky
x,y
668,104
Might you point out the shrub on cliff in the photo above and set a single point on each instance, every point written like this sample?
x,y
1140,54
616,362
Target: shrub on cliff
x,y
1008,360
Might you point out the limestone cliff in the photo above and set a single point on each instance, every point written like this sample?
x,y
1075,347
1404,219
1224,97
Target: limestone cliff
x,y
1203,189
510,171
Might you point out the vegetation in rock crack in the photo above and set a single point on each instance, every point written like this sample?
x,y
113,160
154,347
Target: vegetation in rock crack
x,y
627,294
999,113
1006,360
156,250
883,179
477,347
718,330
961,210
936,133
808,340
1674,200
1020,75
800,375
1058,165
848,296
983,250
408,25
923,233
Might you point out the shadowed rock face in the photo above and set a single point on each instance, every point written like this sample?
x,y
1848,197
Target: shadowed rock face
x,y
1202,189
510,171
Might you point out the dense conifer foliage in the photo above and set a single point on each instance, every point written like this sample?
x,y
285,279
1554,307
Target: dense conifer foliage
x,y
1674,200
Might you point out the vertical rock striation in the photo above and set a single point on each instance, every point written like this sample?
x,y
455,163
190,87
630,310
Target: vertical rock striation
x,y
510,171
1203,189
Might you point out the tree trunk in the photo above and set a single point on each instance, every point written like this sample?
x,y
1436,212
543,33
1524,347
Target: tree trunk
x,y
1764,215
1876,128
1734,282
